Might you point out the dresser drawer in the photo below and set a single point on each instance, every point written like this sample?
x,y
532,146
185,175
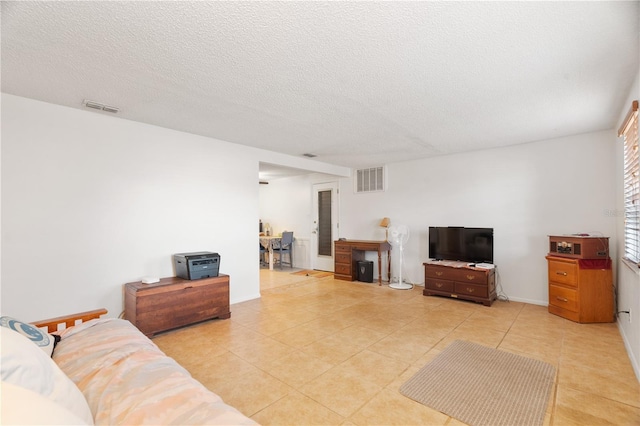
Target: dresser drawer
x,y
471,289
343,248
564,298
563,272
465,275
439,285
343,258
343,269
439,272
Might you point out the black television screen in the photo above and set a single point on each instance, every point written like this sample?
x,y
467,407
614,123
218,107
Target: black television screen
x,y
459,243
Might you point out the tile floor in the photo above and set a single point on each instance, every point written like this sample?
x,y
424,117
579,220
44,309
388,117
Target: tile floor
x,y
327,352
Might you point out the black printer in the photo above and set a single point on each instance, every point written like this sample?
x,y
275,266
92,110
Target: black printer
x,y
196,265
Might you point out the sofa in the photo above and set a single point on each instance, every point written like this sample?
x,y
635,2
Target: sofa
x,y
102,371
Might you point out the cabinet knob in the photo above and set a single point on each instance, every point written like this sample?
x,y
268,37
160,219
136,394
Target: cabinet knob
x,y
470,290
561,273
439,285
471,277
562,299
439,273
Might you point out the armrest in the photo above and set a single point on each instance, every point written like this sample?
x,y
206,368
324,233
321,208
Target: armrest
x,y
69,320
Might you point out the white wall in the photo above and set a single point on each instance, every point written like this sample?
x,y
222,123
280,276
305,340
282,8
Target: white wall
x,y
91,201
524,192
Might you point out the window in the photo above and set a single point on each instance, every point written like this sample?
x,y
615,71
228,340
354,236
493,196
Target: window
x,y
629,130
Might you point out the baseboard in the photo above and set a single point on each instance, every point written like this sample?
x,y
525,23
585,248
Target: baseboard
x,y
627,346
529,301
245,299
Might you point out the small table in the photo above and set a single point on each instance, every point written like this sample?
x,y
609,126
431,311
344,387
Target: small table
x,y
348,252
267,242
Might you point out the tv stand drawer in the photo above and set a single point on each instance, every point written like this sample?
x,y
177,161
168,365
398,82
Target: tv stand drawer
x,y
459,281
439,285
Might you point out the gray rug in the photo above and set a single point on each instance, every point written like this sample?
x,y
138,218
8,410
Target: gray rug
x,y
483,386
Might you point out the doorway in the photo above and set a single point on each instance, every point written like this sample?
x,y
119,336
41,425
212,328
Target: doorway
x,y
325,225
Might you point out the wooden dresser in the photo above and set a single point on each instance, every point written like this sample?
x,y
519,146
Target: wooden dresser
x,y
174,302
581,290
455,279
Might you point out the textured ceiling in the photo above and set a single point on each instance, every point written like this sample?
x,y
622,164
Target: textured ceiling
x,y
357,83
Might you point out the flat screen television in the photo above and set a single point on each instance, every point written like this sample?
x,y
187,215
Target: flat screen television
x,y
473,245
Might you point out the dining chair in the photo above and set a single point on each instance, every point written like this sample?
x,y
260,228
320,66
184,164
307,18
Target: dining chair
x,y
263,253
284,246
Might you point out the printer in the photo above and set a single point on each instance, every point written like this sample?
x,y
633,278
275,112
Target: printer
x,y
196,265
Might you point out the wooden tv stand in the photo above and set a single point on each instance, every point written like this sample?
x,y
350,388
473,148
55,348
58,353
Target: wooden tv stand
x,y
457,280
174,302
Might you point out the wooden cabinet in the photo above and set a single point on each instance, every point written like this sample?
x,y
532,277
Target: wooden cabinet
x,y
455,279
581,290
174,302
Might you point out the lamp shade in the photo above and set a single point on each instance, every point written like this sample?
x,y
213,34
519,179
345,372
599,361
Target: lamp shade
x,y
384,223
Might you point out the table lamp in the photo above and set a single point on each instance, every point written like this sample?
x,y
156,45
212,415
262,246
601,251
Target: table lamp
x,y
384,223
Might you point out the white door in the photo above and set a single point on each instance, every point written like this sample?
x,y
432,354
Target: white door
x,y
325,225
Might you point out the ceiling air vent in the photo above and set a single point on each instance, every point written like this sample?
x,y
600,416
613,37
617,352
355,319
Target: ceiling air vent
x,y
370,180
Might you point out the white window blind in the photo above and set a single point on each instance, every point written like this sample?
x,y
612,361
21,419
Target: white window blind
x,y
629,130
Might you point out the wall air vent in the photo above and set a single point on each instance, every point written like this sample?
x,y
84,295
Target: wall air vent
x,y
370,180
99,106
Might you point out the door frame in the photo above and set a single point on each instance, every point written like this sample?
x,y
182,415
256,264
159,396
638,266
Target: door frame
x,y
324,263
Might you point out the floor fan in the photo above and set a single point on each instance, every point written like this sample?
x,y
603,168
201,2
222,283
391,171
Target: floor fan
x,y
398,236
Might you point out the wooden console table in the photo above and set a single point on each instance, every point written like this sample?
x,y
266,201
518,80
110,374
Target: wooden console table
x,y
349,252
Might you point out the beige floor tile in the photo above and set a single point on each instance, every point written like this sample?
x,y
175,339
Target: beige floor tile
x,y
537,329
332,323
263,352
297,368
499,322
543,350
297,409
270,327
378,369
480,335
226,366
380,323
398,346
251,393
331,351
600,382
300,335
578,408
334,352
358,336
343,394
391,408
